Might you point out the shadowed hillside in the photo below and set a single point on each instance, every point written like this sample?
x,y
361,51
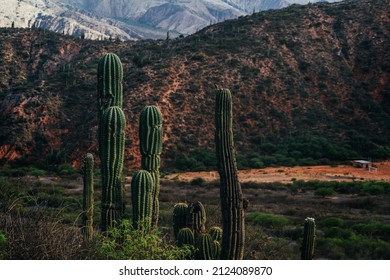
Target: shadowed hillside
x,y
308,82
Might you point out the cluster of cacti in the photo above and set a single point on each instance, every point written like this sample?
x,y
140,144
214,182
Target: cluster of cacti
x,y
142,199
309,236
88,199
232,207
112,124
189,228
150,136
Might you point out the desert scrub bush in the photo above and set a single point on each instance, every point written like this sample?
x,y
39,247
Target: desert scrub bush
x,y
331,222
36,235
263,246
124,243
324,192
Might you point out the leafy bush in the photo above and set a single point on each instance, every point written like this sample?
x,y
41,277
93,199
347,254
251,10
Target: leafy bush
x,y
324,192
331,222
123,243
267,220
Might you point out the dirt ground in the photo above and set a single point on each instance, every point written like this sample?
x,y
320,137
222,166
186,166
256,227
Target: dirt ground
x,y
306,173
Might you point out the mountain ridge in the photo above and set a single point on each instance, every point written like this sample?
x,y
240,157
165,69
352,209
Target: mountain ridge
x,y
127,20
321,70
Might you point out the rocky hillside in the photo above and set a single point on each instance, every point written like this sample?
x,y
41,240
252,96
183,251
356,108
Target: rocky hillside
x,y
305,72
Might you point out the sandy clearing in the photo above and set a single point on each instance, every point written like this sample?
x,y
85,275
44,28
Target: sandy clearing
x,y
286,174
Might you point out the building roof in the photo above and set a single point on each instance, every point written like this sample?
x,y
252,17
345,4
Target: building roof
x,y
362,161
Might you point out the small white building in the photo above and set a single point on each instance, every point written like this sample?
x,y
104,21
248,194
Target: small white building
x,y
362,164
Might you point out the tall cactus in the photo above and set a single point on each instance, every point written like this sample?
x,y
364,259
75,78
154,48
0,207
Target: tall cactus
x,y
150,133
142,199
179,217
196,217
232,209
109,76
88,200
309,236
112,140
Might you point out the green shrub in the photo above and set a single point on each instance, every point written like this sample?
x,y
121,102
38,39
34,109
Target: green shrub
x,y
267,220
331,222
324,192
124,243
37,172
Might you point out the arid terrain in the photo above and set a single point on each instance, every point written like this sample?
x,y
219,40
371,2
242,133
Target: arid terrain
x,y
306,173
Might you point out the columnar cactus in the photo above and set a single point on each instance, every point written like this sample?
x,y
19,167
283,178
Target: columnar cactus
x,y
232,209
142,199
205,247
185,237
88,197
179,217
150,133
196,217
109,76
309,236
216,233
112,140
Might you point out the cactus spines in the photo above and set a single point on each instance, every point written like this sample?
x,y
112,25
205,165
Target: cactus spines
x,y
185,237
205,247
88,199
142,199
150,134
309,236
109,76
179,217
112,140
216,233
232,209
196,217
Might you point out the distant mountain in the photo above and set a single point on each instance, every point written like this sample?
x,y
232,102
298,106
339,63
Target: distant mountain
x,y
308,82
129,19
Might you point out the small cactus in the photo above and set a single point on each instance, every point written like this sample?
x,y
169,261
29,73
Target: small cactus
x,y
205,247
196,217
309,236
179,217
217,250
216,233
142,199
88,199
185,237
